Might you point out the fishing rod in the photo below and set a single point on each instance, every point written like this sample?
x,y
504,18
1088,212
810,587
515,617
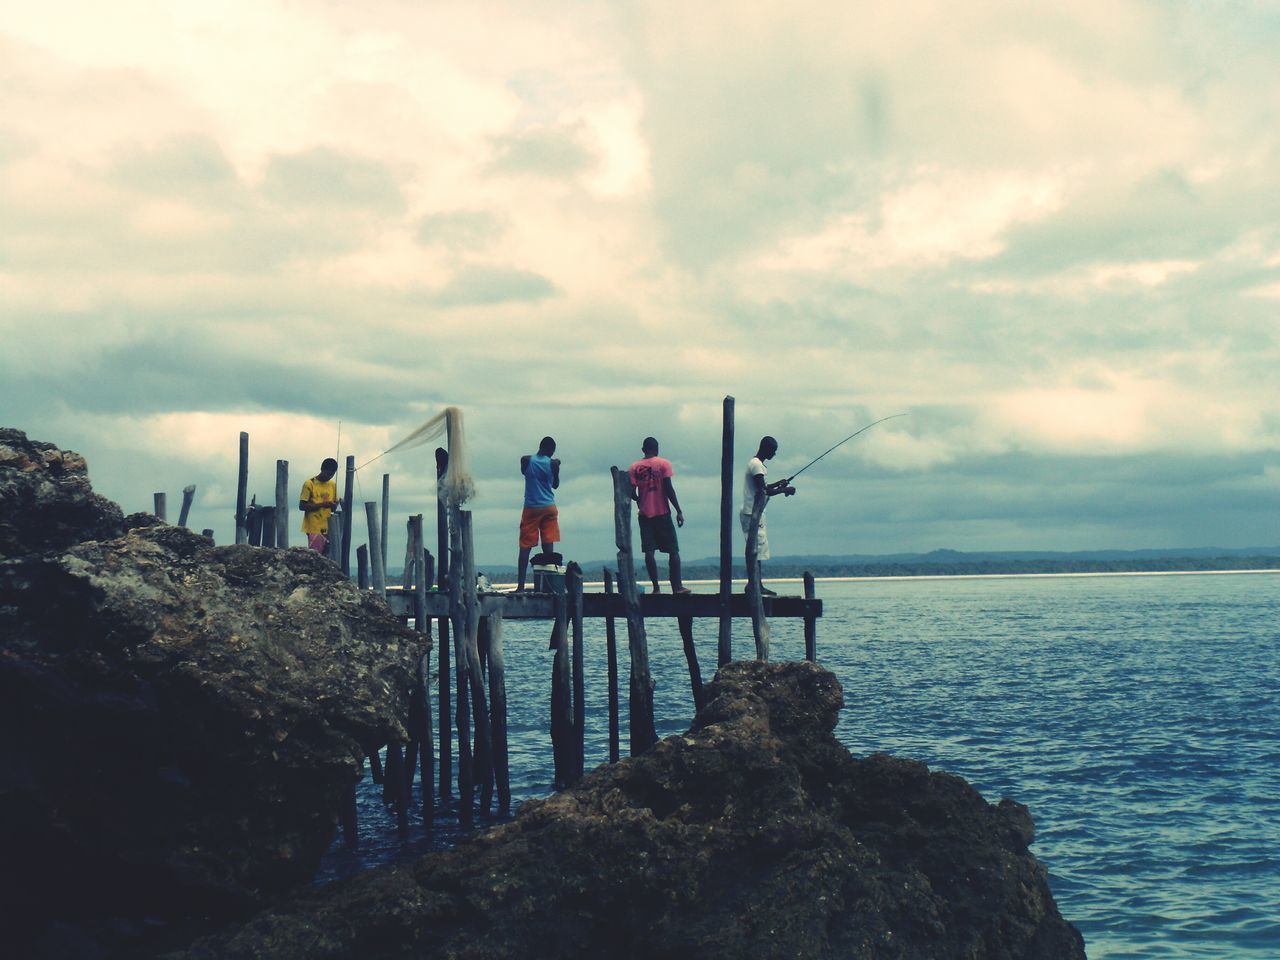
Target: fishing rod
x,y
787,481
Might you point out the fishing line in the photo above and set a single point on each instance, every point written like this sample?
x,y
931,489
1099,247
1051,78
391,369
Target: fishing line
x,y
840,444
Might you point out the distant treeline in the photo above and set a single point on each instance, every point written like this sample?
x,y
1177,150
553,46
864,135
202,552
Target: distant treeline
x,y
954,565
782,569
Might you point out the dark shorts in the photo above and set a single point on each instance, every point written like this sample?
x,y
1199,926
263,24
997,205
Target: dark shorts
x,y
658,533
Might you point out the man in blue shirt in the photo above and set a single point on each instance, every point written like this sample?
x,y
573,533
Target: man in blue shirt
x,y
539,518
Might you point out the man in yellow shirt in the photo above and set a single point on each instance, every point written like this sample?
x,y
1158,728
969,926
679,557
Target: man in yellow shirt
x,y
319,497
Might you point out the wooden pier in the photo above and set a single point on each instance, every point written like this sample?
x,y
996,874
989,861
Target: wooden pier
x,y
440,593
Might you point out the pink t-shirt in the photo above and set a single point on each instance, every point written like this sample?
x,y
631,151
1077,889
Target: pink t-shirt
x,y
648,476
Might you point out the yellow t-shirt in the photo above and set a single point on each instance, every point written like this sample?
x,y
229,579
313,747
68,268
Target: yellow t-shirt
x,y
316,490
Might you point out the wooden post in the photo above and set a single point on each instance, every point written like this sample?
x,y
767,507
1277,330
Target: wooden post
x,y
643,734
691,655
561,700
442,581
759,625
420,719
395,786
461,631
242,490
336,540
267,526
282,503
498,713
573,591
725,648
188,498
344,558
483,752
411,552
484,771
462,709
810,623
611,643
253,522
375,554
386,517
158,499
349,816
362,566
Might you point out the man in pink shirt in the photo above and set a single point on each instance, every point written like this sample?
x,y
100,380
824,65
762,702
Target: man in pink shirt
x,y
652,490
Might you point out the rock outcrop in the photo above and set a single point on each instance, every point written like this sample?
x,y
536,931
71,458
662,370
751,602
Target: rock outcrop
x,y
756,834
180,721
46,501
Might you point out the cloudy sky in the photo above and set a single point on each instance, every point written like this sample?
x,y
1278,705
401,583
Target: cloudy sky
x,y
1050,233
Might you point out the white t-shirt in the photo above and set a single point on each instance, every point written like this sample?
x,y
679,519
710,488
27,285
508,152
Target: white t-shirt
x,y
755,468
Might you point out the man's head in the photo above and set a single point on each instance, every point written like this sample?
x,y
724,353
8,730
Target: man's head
x,y
328,468
547,447
650,447
768,447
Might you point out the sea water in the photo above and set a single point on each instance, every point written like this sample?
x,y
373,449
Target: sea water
x,y
1137,716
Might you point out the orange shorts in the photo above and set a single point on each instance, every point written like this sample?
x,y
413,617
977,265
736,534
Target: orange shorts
x,y
535,521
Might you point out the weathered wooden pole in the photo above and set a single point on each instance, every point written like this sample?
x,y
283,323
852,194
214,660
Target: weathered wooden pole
x,y
691,655
442,581
498,712
573,590
410,575
611,644
242,490
188,498
643,733
158,500
462,708
395,786
420,709
282,503
253,522
561,700
337,537
375,554
348,816
759,625
483,752
362,566
386,516
725,647
810,622
347,519
484,772
267,526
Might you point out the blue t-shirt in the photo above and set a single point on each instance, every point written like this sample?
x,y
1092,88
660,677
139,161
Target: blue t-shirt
x,y
537,482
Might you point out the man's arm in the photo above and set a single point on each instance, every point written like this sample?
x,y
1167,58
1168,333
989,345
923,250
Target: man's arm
x,y
555,474
524,464
780,487
670,490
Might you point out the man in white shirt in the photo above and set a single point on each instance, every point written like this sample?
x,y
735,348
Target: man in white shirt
x,y
753,486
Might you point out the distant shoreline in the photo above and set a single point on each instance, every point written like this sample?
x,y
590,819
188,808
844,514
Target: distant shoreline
x,y
739,582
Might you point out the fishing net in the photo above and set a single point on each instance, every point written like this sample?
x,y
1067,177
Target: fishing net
x,y
456,486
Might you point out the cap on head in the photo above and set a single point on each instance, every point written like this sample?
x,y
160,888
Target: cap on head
x,y
649,447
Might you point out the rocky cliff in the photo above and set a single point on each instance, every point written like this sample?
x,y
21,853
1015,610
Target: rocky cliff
x,y
756,834
180,720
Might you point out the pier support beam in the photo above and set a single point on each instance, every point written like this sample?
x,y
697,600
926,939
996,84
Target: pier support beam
x,y
643,734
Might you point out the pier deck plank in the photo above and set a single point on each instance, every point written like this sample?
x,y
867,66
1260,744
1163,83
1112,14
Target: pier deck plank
x,y
540,606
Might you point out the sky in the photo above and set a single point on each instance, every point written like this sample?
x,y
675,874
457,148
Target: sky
x,y
1049,233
